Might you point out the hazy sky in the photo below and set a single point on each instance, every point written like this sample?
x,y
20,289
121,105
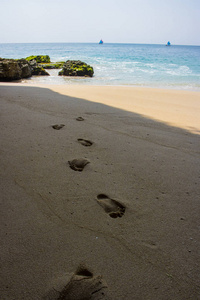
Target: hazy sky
x,y
115,21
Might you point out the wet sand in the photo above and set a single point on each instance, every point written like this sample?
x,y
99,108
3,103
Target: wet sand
x,y
99,192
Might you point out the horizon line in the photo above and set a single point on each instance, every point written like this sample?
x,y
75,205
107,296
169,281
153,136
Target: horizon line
x,y
131,43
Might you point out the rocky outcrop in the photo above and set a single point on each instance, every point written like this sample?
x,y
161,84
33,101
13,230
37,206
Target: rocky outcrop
x,y
16,69
11,69
76,68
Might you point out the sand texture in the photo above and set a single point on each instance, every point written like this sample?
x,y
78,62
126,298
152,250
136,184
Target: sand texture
x,y
100,191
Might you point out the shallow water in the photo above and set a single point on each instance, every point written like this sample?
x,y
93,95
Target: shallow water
x,y
119,64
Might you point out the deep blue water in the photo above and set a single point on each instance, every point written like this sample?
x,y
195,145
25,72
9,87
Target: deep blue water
x,y
120,64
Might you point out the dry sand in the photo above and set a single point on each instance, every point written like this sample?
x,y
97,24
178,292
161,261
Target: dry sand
x,y
105,206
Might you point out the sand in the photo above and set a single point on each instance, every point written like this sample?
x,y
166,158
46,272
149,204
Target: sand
x,y
105,204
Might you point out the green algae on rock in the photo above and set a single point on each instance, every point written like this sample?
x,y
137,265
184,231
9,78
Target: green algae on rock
x,y
55,65
76,68
39,58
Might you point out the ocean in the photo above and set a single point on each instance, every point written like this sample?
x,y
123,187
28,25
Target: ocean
x,y
157,66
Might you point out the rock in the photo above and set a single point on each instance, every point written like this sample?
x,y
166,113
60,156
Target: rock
x,y
25,68
39,71
76,68
16,69
13,69
9,70
33,63
39,58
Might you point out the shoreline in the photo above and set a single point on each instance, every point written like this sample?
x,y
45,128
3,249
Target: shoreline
x,y
68,81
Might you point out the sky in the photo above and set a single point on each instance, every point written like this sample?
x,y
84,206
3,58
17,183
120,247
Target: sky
x,y
88,21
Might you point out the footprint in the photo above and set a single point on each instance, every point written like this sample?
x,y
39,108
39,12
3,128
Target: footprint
x,y
79,119
58,126
78,164
85,143
84,285
81,285
112,207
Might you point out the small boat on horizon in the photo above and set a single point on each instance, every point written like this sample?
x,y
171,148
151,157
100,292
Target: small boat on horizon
x,y
101,42
168,44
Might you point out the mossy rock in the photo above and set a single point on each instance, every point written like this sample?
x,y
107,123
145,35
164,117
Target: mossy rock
x,y
76,68
39,58
56,65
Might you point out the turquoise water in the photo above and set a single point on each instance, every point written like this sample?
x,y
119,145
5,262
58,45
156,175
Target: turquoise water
x,y
120,64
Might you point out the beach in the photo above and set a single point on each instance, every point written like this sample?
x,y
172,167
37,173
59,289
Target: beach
x,y
105,205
